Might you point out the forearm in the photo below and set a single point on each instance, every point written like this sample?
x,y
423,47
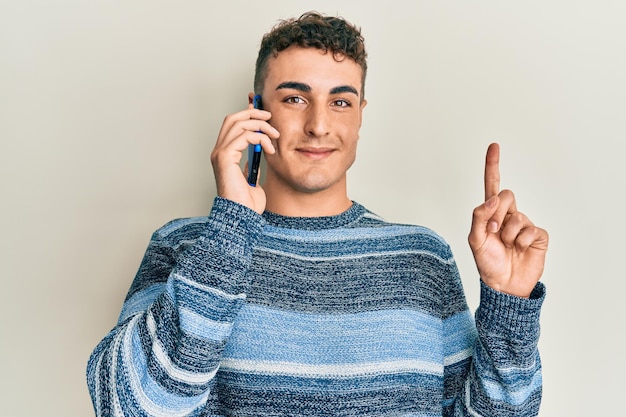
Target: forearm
x,y
505,373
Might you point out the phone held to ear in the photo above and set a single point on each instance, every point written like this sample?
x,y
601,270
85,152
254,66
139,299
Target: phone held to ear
x,y
254,151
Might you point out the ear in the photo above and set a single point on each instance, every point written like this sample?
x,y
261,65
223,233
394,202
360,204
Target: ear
x,y
250,97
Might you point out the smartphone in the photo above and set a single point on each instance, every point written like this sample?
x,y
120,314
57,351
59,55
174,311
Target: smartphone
x,y
254,151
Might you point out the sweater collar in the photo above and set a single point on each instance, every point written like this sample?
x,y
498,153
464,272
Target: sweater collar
x,y
349,216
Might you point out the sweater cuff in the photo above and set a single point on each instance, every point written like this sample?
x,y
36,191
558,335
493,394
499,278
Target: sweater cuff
x,y
221,257
508,313
234,228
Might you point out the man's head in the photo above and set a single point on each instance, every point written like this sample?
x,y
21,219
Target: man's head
x,y
332,35
310,73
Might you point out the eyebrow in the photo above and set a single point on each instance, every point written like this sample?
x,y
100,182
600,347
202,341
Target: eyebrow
x,y
344,89
294,85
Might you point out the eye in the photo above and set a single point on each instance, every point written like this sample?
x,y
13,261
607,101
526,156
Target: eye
x,y
294,100
341,103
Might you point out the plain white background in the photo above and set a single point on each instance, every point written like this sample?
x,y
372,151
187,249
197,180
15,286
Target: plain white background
x,y
109,111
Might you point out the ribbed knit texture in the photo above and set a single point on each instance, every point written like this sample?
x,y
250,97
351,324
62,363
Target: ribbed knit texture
x,y
237,314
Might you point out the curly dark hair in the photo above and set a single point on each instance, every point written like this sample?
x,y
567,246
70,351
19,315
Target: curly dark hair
x,y
312,30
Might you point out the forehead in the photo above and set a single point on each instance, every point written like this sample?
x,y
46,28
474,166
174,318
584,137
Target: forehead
x,y
321,70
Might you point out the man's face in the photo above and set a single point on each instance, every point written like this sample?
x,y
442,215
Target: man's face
x,y
316,106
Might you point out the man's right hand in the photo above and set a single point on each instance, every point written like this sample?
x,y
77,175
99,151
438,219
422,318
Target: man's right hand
x,y
238,130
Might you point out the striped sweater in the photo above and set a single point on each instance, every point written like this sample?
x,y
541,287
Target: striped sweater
x,y
238,314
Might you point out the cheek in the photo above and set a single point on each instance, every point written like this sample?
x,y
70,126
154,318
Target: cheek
x,y
282,116
349,124
287,127
350,134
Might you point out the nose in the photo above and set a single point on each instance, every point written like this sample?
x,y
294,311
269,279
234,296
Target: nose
x,y
317,122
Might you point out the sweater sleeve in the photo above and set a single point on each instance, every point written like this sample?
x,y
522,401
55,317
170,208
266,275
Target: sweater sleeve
x,y
163,354
503,377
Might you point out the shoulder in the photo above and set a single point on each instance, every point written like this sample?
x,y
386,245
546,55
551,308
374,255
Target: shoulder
x,y
181,230
225,215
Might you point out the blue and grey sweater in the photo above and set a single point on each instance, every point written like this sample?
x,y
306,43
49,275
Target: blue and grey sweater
x,y
238,314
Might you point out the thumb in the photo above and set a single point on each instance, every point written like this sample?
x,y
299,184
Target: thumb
x,y
482,222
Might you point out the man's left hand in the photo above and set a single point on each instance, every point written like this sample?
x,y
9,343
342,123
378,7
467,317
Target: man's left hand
x,y
508,248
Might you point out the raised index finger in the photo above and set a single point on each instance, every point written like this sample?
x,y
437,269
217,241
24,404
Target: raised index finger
x,y
492,171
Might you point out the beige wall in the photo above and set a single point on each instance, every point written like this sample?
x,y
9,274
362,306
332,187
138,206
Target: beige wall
x,y
109,110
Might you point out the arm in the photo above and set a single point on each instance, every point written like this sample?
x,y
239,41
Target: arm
x,y
163,354
504,376
506,358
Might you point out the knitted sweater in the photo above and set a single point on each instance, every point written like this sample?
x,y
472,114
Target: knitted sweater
x,y
238,314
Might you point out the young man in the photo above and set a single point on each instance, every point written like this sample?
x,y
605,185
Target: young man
x,y
289,299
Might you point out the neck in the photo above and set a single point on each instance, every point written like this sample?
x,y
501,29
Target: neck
x,y
298,204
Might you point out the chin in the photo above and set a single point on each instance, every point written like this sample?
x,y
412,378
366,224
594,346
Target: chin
x,y
309,181
314,184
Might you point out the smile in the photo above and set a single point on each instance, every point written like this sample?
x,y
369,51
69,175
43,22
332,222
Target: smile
x,y
315,153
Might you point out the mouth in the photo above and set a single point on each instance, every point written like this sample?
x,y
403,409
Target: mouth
x,y
315,153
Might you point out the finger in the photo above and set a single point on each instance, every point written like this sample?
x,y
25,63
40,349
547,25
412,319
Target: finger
x,y
492,171
481,218
239,121
261,138
230,153
247,131
241,142
257,126
506,206
513,227
532,237
526,237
